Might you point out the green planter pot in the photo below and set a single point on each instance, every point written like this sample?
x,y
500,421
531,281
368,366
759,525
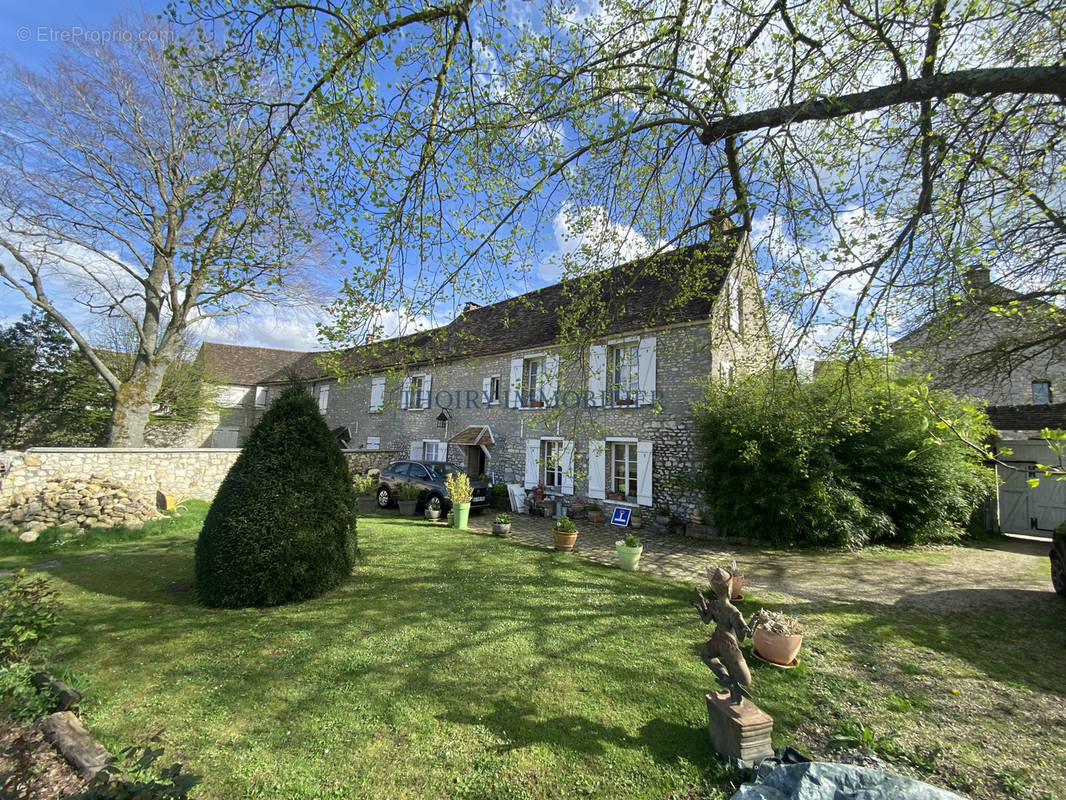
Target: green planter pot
x,y
460,515
628,557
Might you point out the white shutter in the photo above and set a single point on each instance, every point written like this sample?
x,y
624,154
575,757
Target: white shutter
x,y
646,371
377,394
515,384
532,467
427,390
597,469
597,373
644,473
405,392
323,398
486,387
567,464
551,379
416,451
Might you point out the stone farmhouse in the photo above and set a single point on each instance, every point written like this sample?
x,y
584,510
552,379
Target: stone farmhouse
x,y
998,346
584,387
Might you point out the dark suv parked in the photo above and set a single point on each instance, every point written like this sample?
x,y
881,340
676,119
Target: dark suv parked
x,y
428,478
1058,560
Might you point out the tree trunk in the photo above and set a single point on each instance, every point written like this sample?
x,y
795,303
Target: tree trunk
x,y
133,404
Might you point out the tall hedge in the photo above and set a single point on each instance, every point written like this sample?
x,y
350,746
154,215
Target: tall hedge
x,y
283,525
845,459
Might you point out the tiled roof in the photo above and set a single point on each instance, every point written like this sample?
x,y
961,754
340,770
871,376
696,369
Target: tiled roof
x,y
247,366
1028,418
673,287
676,286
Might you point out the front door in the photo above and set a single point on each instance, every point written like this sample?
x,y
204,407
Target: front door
x,y
475,461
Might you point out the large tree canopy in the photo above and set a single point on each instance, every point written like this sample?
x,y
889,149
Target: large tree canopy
x,y
139,192
874,149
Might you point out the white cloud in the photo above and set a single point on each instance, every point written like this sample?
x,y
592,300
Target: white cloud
x,y
587,240
264,325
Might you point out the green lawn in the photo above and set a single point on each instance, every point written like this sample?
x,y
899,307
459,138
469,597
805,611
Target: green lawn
x,y
459,665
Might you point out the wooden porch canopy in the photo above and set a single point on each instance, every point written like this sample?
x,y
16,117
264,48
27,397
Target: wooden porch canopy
x,y
474,435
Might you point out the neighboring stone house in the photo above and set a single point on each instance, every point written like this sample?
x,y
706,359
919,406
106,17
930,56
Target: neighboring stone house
x,y
244,376
998,346
585,387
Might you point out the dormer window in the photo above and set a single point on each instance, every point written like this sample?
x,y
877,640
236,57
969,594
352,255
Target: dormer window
x,y
1041,393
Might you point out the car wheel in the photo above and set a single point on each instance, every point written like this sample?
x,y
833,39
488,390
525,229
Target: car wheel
x,y
384,498
435,496
1058,574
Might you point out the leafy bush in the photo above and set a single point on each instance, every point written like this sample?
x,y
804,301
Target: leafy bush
x,y
133,778
29,614
457,485
499,490
632,540
503,518
564,525
365,485
407,493
283,525
845,459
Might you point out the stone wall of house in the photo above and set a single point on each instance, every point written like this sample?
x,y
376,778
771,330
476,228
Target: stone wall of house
x,y
359,461
182,473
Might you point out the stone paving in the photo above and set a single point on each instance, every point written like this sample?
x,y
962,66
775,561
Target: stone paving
x,y
665,554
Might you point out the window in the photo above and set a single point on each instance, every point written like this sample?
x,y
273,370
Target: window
x,y
260,396
414,394
725,372
623,469
532,376
434,450
1041,393
225,437
734,305
323,398
373,442
377,394
551,463
494,389
232,396
624,360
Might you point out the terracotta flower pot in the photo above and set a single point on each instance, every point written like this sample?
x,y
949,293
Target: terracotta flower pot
x,y
564,541
738,584
596,516
778,649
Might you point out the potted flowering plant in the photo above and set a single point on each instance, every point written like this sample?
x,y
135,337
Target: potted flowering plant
x,y
407,500
565,533
595,513
501,526
777,637
629,550
365,485
457,485
433,509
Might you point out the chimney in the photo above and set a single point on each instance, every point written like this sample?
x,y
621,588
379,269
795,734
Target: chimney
x,y
976,279
371,338
470,306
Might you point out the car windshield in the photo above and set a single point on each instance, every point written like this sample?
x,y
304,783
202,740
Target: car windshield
x,y
443,468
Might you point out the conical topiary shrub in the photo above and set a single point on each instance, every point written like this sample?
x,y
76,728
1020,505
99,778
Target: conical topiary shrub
x,y
282,526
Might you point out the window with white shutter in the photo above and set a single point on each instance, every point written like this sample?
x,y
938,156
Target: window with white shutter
x,y
377,394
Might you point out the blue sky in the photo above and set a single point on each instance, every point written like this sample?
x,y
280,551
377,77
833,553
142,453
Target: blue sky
x,y
32,33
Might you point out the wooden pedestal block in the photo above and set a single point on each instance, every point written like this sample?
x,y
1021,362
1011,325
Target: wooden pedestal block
x,y
739,731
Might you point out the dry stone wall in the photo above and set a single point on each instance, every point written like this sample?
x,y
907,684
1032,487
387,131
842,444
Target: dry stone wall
x,y
77,503
143,471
